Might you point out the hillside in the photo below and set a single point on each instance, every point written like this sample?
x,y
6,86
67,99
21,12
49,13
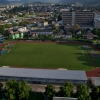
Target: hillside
x,y
84,1
50,1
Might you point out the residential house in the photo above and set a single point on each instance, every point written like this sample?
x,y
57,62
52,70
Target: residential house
x,y
35,20
79,32
41,31
61,34
42,24
29,25
34,35
44,14
22,29
90,36
69,35
15,34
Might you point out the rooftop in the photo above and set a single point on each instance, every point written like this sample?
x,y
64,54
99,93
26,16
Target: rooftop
x,y
68,10
42,30
43,73
98,19
64,98
96,81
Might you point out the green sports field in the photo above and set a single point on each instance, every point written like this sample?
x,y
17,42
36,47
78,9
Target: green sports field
x,y
46,55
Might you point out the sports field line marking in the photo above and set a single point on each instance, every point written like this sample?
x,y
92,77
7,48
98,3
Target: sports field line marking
x,y
82,52
91,60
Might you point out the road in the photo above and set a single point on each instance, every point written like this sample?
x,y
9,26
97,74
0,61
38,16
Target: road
x,y
41,88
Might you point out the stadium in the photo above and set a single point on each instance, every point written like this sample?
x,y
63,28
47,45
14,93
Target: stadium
x,y
47,62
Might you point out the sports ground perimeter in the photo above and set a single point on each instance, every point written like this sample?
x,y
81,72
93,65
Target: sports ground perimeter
x,y
50,55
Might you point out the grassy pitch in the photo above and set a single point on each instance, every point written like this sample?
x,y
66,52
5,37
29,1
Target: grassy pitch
x,y
47,56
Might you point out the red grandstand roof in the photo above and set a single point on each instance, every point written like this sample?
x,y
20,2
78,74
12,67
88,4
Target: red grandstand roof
x,y
93,73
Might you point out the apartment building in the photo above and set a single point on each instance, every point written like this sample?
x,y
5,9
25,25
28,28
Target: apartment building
x,y
83,18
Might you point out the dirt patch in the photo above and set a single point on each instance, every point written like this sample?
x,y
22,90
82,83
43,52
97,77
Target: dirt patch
x,y
62,69
5,66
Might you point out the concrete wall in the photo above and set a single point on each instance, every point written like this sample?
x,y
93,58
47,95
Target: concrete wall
x,y
42,81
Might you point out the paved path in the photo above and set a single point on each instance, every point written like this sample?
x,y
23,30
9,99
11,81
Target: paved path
x,y
41,88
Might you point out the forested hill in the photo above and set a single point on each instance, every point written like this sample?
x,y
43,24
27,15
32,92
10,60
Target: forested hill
x,y
84,1
52,1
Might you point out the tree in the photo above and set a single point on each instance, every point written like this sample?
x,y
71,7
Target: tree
x,y
2,29
1,85
95,93
75,28
35,25
55,15
23,90
50,91
17,90
7,25
14,24
23,23
66,90
10,16
96,32
53,27
82,32
59,17
83,92
57,30
65,31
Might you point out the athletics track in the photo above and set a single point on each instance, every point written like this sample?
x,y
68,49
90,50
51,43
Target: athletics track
x,y
74,42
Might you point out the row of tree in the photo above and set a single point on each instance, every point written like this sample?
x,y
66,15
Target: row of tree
x,y
18,9
15,90
66,90
44,37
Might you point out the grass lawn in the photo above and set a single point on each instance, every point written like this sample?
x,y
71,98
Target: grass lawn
x,y
96,60
47,56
